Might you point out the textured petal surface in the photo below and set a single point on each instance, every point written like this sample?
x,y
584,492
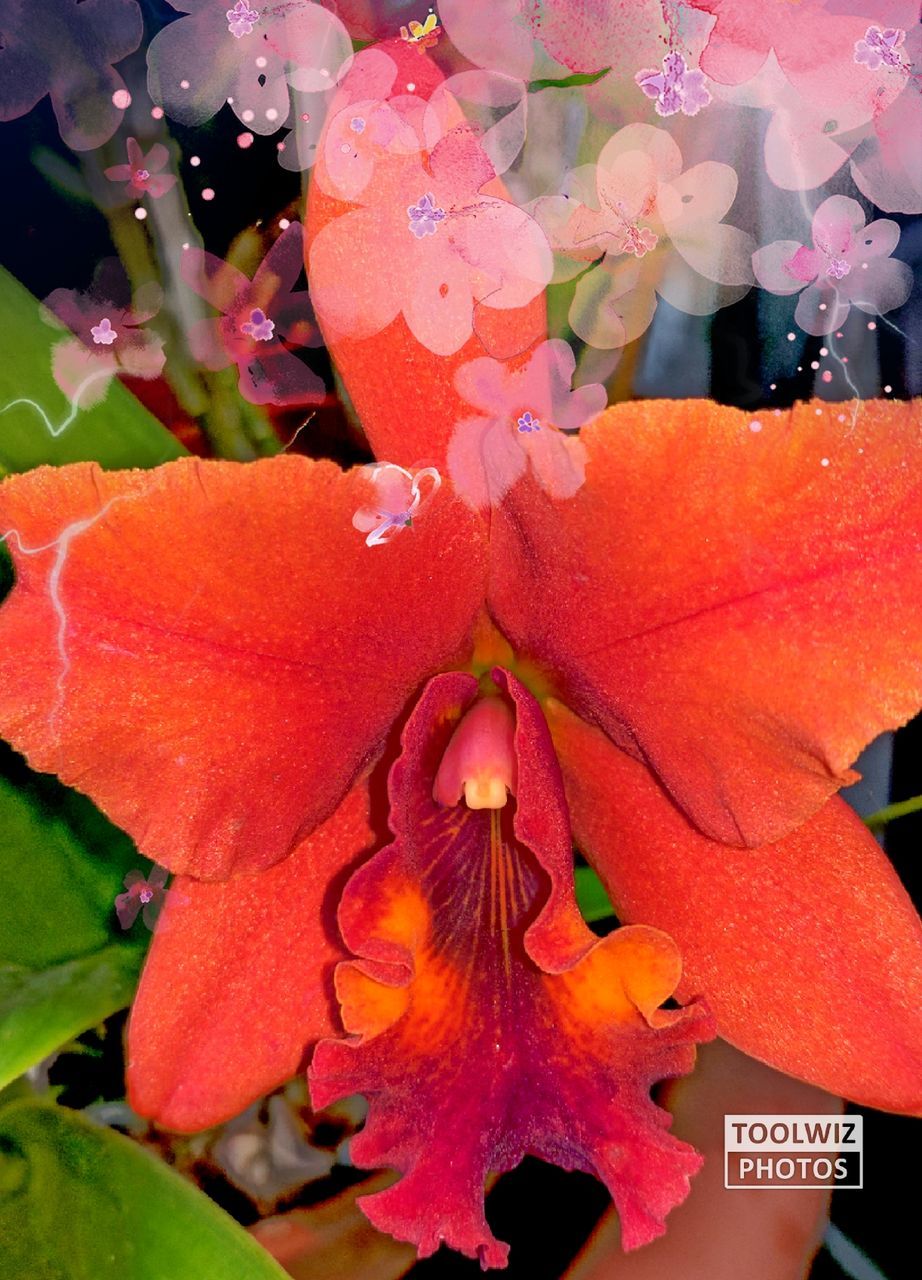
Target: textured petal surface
x,y
736,599
488,1021
719,1234
809,951
239,980
211,651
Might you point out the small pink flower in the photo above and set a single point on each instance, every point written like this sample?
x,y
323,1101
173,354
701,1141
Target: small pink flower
x,y
522,416
107,337
880,48
241,19
142,173
675,88
399,499
143,894
255,316
103,333
848,265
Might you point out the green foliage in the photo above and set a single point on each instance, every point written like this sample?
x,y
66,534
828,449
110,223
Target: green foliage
x,y
591,896
117,432
65,964
79,1202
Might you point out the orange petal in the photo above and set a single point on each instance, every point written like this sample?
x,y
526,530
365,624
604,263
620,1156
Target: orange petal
x,y
181,644
719,1234
741,608
239,980
809,951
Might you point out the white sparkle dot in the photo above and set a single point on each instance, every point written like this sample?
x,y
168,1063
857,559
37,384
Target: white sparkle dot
x,y
284,223
773,386
140,214
791,337
824,462
841,417
324,71
271,113
121,99
345,148
824,351
247,116
818,412
887,389
755,425
208,193
814,364
822,306
864,266
157,113
185,244
411,88
872,325
195,161
184,84
229,101
261,62
244,140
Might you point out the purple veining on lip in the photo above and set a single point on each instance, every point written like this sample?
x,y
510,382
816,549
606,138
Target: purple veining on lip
x,y
425,216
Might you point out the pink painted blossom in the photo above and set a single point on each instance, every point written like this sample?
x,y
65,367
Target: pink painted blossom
x,y
142,173
400,497
68,51
649,229
676,88
255,316
521,417
880,48
463,253
247,55
144,894
107,338
848,264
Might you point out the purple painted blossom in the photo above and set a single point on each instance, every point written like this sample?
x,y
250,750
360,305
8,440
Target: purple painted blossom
x,y
244,335
67,50
105,336
425,216
848,265
398,499
241,19
145,894
880,48
142,173
357,124
492,449
258,327
676,88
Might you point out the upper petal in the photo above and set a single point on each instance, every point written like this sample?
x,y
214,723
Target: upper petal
x,y
735,597
211,651
808,950
239,980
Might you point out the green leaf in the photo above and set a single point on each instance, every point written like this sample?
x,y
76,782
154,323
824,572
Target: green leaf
x,y
117,432
79,1202
569,82
591,897
65,964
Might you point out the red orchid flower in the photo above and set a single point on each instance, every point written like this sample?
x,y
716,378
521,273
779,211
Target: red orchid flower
x,y
676,666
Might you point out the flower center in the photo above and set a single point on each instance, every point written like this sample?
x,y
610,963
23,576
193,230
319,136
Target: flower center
x,y
241,19
258,327
425,216
529,423
103,333
479,761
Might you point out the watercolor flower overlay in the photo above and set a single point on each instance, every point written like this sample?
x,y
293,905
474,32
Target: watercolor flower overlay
x,y
142,174
521,417
69,54
256,315
650,229
446,252
848,265
880,48
246,55
676,88
400,497
143,894
108,339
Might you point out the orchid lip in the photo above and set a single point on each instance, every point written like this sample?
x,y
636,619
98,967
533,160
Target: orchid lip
x,y
479,762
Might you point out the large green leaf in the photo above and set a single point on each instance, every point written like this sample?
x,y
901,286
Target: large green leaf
x,y
78,1202
117,432
65,964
